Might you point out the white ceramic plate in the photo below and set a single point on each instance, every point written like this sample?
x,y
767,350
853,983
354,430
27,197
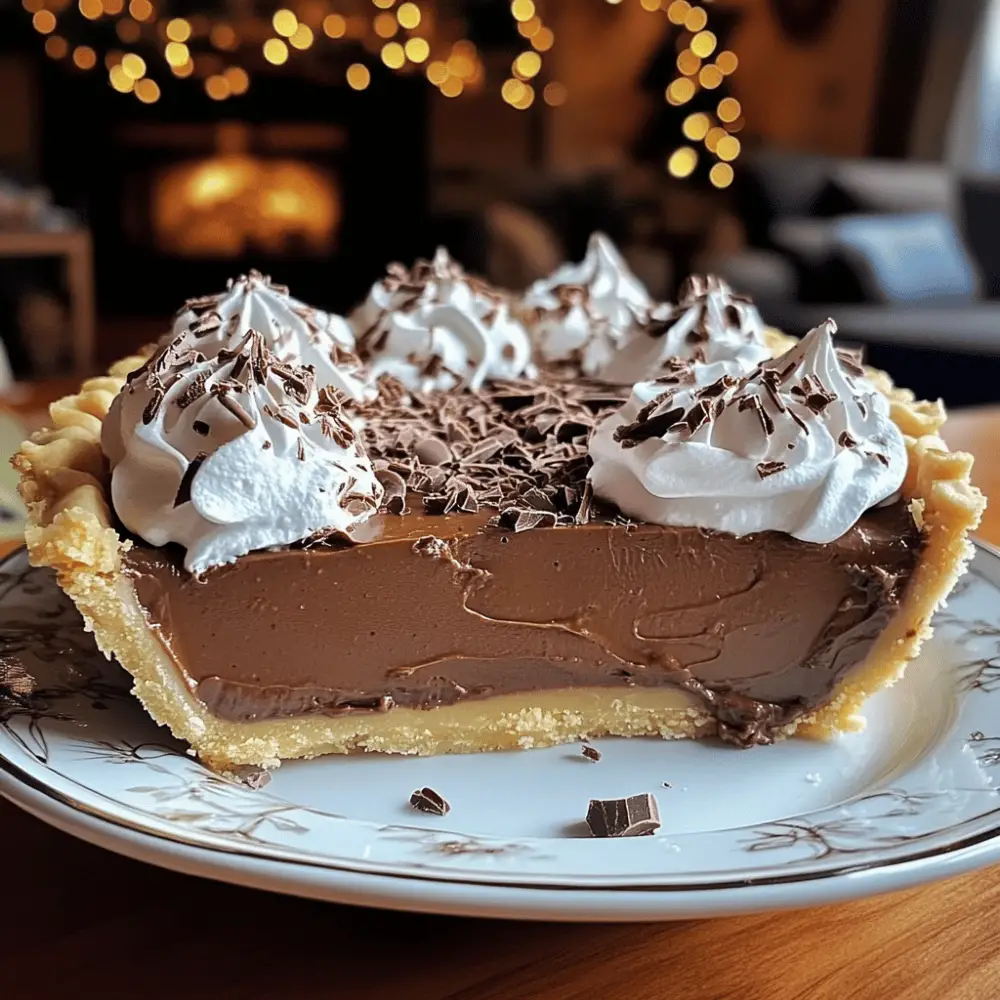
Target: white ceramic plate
x,y
911,799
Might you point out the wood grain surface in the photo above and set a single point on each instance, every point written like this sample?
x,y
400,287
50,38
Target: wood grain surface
x,y
78,922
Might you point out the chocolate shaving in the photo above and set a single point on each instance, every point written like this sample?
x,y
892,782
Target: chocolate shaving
x,y
194,391
846,440
591,753
643,429
230,404
200,427
250,775
184,490
636,816
428,801
765,469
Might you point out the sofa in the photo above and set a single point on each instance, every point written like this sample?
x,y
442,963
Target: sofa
x,y
904,256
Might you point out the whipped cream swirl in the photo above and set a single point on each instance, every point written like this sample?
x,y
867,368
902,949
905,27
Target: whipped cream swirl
x,y
293,331
434,328
581,312
234,453
803,444
709,325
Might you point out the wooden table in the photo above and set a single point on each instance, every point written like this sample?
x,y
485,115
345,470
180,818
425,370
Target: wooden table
x,y
78,922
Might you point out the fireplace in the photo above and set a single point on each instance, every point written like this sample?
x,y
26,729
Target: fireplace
x,y
314,183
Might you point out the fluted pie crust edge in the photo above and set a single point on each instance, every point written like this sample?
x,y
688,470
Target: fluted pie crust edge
x,y
64,482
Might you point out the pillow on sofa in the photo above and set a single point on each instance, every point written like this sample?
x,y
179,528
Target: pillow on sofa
x,y
906,258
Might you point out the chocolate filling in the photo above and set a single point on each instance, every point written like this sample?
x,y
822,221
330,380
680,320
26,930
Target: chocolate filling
x,y
436,609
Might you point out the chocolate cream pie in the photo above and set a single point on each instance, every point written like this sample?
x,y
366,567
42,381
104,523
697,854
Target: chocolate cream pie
x,y
510,522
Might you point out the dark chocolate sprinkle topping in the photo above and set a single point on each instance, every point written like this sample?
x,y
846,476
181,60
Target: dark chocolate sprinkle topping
x,y
636,816
428,801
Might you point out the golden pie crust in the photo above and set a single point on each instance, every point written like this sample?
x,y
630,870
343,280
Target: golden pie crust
x,y
64,481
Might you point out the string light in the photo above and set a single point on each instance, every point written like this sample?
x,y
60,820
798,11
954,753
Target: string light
x,y
529,28
128,30
703,44
134,65
526,99
527,65
452,86
275,51
113,7
91,9
437,72
710,77
650,5
678,11
682,162
176,53
334,26
141,10
728,148
84,57
284,22
178,30
44,22
56,47
383,4
183,71
31,5
303,37
238,80
681,91
385,25
522,10
696,126
555,94
417,50
408,15
217,87
543,39
729,109
696,19
727,62
393,55
148,91
714,137
223,37
721,175
120,80
358,76
688,63
512,90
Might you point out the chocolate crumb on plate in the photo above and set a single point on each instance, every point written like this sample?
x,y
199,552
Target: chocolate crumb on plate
x,y
428,801
636,816
591,753
250,775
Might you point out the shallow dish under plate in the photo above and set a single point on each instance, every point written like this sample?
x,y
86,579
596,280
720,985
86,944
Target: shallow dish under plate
x,y
800,823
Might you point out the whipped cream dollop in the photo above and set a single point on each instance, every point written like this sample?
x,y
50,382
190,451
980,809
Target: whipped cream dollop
x,y
294,332
233,453
710,325
581,312
434,327
803,444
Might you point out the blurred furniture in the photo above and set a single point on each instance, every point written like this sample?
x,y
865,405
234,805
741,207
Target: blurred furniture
x,y
867,242
83,922
74,245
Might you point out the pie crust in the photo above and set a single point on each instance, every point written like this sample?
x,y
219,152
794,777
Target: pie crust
x,y
65,483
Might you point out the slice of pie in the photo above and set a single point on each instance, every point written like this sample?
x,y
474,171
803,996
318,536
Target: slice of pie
x,y
747,538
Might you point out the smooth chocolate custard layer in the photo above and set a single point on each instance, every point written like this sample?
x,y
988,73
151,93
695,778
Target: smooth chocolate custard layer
x,y
439,608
